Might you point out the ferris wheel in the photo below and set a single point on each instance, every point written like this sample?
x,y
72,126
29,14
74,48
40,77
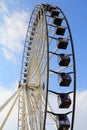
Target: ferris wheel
x,y
47,88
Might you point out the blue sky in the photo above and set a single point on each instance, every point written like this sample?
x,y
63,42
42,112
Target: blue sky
x,y
14,17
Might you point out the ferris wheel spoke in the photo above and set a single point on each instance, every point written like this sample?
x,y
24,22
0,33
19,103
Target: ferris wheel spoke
x,y
38,64
35,108
37,46
51,55
60,69
49,108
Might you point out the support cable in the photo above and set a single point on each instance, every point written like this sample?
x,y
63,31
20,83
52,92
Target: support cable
x,y
5,104
10,110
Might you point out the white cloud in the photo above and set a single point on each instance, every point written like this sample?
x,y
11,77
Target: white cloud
x,y
9,55
81,111
12,31
3,8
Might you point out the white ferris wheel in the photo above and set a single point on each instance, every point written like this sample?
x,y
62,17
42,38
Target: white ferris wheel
x,y
47,88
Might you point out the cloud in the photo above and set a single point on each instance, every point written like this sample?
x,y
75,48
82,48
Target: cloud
x,y
81,111
3,7
9,55
12,31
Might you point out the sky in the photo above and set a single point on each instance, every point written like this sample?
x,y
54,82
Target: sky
x,y
14,17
